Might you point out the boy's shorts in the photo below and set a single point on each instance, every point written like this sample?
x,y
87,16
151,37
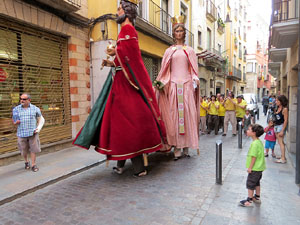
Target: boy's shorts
x,y
270,144
253,179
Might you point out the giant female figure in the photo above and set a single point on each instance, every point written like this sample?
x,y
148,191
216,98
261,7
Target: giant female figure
x,y
178,93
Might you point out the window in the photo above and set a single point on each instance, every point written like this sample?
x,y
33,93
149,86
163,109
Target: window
x,y
164,16
240,50
199,39
255,68
220,48
208,40
152,66
249,67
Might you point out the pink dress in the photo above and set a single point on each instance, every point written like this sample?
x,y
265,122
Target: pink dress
x,y
180,114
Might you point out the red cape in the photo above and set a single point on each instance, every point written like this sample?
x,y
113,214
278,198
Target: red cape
x,y
130,127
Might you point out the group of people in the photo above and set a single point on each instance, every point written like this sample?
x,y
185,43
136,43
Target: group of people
x,y
217,111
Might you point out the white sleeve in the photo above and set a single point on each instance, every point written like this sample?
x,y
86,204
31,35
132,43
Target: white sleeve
x,y
41,123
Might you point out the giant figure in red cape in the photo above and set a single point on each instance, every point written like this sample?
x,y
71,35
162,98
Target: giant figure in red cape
x,y
131,124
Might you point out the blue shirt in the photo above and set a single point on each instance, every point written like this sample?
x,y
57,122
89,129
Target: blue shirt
x,y
27,117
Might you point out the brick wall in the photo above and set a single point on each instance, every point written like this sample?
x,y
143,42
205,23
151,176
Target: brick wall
x,y
78,50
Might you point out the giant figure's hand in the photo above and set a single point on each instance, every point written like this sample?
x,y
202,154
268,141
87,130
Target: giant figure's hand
x,y
108,63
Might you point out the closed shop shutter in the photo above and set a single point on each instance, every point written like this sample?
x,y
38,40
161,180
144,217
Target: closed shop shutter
x,y
34,62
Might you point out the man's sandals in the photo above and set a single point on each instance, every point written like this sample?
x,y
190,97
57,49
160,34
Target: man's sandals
x,y
140,174
27,166
34,168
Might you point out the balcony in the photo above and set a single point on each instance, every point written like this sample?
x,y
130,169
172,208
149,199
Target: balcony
x,y
274,69
237,73
244,77
284,23
212,59
221,26
66,6
157,23
211,11
277,55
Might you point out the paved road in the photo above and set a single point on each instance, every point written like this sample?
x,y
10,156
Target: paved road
x,y
181,192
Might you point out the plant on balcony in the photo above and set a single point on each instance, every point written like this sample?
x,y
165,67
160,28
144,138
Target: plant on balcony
x,y
221,23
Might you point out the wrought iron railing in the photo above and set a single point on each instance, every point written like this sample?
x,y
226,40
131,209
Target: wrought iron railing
x,y
237,73
285,10
161,20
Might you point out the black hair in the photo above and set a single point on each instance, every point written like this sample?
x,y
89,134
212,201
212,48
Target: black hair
x,y
258,129
283,100
130,10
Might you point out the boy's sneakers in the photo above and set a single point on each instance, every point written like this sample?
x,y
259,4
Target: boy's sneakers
x,y
256,199
246,203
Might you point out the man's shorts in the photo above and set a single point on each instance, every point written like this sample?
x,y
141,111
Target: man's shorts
x,y
29,144
253,179
270,144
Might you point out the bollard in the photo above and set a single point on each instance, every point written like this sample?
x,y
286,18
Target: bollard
x,y
240,135
257,114
219,162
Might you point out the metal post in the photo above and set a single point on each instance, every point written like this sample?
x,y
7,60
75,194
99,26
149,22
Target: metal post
x,y
219,162
240,135
258,114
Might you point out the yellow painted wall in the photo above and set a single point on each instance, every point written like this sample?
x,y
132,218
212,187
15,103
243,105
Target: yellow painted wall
x,y
98,8
151,45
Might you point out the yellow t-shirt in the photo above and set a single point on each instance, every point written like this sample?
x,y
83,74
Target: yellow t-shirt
x,y
222,110
240,112
203,111
212,108
229,106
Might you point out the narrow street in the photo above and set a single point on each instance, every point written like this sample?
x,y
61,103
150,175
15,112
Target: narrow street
x,y
181,192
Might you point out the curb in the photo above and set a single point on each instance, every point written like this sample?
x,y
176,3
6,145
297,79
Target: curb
x,y
50,182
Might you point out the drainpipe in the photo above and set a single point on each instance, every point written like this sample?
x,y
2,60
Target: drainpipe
x,y
297,180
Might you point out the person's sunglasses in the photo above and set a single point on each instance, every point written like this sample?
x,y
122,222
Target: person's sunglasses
x,y
24,99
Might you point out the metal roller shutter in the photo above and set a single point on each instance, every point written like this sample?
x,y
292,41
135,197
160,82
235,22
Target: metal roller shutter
x,y
34,62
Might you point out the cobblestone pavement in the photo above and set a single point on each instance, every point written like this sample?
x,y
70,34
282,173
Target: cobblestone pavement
x,y
181,192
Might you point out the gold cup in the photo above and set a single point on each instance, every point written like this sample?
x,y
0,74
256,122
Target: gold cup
x,y
109,47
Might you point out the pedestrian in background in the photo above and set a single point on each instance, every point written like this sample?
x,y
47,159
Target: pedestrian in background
x,y
255,165
265,103
203,112
213,120
221,113
270,139
240,109
30,121
229,105
281,120
247,120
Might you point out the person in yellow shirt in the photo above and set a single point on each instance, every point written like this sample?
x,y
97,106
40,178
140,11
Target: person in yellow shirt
x,y
240,109
222,111
229,105
213,120
203,113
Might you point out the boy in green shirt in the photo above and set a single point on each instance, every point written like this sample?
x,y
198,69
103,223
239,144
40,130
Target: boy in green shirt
x,y
255,165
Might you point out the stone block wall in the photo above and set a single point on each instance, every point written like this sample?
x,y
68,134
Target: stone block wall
x,y
78,51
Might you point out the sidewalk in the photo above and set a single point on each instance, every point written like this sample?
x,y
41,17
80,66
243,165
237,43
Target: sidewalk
x,y
16,181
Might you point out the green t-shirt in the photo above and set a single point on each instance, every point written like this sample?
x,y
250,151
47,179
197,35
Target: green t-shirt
x,y
256,150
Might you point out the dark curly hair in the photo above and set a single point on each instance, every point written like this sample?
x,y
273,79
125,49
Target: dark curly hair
x,y
175,27
130,10
258,129
283,100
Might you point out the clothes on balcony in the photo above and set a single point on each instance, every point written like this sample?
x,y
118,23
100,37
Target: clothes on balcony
x,y
179,100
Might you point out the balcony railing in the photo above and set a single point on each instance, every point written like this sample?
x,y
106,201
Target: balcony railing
x,y
211,11
240,54
161,20
75,2
66,6
285,10
237,73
